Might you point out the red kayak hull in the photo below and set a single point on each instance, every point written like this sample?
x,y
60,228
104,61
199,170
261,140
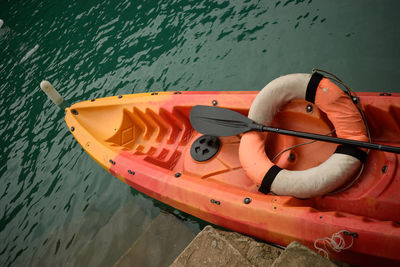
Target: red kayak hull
x,y
145,140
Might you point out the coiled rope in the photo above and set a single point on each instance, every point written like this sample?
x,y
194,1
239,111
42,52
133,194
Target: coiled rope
x,y
336,242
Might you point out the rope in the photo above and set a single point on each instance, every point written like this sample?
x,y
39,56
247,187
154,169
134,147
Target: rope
x,y
336,243
302,144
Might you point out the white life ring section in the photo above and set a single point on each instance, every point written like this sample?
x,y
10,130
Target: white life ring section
x,y
340,110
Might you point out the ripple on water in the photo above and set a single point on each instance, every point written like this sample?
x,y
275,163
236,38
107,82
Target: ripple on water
x,y
53,195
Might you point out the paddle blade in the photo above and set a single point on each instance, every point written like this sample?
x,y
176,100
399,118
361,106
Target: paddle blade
x,y
219,121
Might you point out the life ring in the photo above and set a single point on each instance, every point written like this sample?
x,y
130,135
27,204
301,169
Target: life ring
x,y
322,179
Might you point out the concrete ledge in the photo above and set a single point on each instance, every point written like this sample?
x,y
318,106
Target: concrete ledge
x,y
297,254
219,248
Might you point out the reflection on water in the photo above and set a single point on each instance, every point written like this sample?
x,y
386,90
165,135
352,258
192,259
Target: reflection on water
x,y
53,196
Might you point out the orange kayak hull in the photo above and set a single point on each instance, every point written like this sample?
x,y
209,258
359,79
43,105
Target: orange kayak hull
x,y
145,140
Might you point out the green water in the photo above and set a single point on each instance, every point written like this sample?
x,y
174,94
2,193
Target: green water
x,y
91,49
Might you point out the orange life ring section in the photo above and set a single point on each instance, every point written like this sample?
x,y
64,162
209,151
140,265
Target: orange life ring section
x,y
340,110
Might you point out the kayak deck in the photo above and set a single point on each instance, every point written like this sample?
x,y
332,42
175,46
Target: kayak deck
x,y
145,141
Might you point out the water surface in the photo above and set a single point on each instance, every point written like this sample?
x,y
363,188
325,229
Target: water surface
x,y
50,189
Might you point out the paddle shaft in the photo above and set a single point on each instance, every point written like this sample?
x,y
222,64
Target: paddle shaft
x,y
217,121
329,139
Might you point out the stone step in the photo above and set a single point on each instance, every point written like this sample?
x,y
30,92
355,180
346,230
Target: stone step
x,y
159,245
213,247
63,243
297,254
114,238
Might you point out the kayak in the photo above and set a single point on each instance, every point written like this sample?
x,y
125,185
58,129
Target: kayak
x,y
147,141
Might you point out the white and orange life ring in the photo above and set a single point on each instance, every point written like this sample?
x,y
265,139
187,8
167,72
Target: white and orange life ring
x,y
322,179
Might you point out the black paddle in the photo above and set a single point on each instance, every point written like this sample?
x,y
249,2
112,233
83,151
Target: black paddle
x,y
225,122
